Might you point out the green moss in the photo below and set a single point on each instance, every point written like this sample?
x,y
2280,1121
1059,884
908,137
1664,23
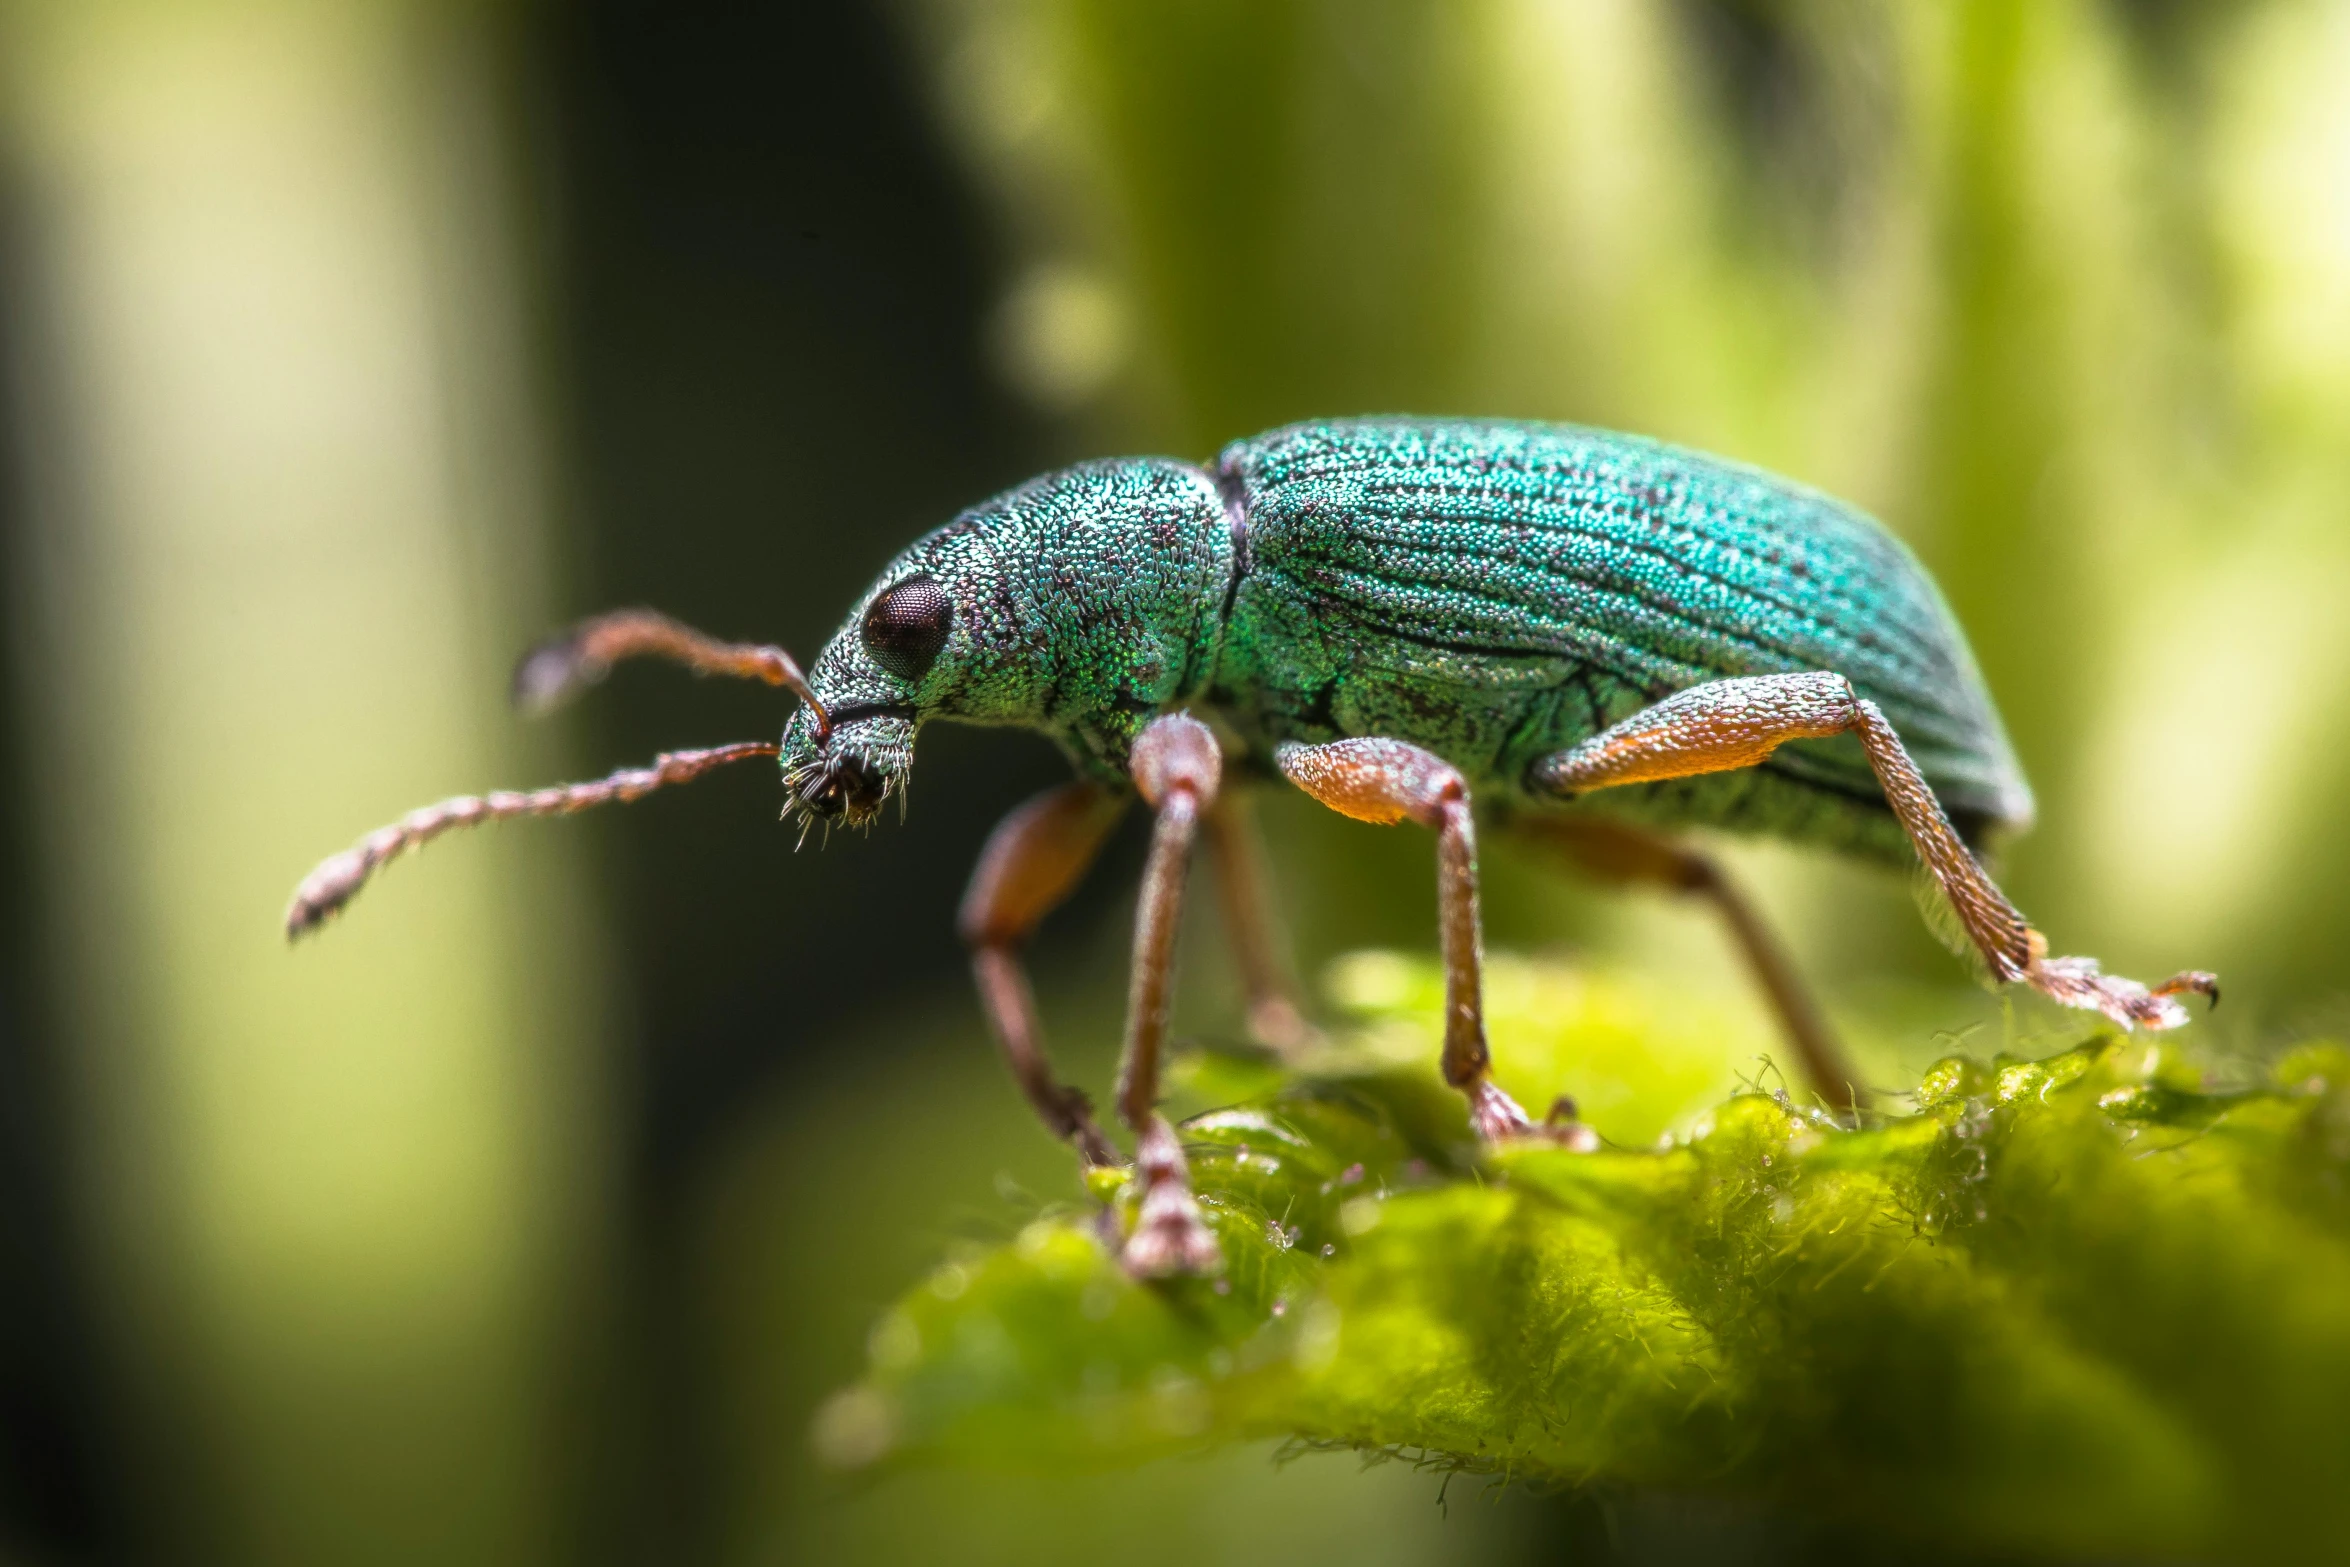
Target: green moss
x,y
2077,1304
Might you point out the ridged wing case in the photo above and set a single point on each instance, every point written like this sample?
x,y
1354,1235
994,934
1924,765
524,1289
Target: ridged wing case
x,y
1497,591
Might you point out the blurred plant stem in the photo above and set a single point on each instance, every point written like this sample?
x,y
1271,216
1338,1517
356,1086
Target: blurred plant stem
x,y
280,433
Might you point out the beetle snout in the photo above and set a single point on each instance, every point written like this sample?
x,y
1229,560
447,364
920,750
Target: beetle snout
x,y
843,788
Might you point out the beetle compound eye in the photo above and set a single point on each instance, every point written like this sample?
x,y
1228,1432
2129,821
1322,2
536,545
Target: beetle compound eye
x,y
907,626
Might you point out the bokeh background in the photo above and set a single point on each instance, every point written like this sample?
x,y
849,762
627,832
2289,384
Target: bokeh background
x,y
346,348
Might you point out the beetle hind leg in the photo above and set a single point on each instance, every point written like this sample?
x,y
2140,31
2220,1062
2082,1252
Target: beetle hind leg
x,y
1728,724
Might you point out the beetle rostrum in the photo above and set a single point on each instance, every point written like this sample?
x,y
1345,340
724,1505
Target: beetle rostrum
x,y
907,626
843,787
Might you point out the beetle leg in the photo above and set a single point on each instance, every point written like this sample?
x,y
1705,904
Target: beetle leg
x,y
1728,724
1386,782
1032,860
1619,852
1274,1018
1176,767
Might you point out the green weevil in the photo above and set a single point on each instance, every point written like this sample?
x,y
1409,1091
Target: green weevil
x,y
1585,639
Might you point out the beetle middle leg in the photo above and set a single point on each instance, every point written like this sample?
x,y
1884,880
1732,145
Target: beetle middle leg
x,y
1728,724
1389,781
1617,851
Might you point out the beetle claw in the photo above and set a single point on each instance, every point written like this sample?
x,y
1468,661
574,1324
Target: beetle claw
x,y
2197,981
2079,982
1497,1118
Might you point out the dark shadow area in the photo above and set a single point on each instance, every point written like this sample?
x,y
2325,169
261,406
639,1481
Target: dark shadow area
x,y
57,1501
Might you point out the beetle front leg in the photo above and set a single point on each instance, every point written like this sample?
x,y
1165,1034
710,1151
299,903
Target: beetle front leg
x,y
1386,782
1032,860
1177,767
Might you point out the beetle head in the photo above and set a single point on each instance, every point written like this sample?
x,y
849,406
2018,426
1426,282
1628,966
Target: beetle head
x,y
1073,604
900,659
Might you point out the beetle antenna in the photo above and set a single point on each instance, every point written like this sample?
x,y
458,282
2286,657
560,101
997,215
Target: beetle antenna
x,y
557,670
337,880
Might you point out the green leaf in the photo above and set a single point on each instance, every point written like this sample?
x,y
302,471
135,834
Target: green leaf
x,y
2081,1303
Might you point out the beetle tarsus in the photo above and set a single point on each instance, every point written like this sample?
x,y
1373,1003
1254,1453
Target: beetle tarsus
x,y
1170,1235
2081,982
1493,1115
1497,1118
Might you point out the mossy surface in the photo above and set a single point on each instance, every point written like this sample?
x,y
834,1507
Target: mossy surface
x,y
2087,1303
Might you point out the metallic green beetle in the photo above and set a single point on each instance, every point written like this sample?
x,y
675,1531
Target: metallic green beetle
x,y
1587,639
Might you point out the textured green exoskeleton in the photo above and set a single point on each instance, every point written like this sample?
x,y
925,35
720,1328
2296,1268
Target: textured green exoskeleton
x,y
1587,637
1491,591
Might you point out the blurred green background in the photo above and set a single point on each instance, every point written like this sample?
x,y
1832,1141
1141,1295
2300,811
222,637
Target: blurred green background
x,y
344,348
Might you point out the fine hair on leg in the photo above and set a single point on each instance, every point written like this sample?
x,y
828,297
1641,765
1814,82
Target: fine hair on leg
x,y
1176,767
1728,724
1620,852
337,879
1032,861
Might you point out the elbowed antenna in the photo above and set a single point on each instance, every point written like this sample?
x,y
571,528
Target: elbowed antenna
x,y
338,879
547,675
555,671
